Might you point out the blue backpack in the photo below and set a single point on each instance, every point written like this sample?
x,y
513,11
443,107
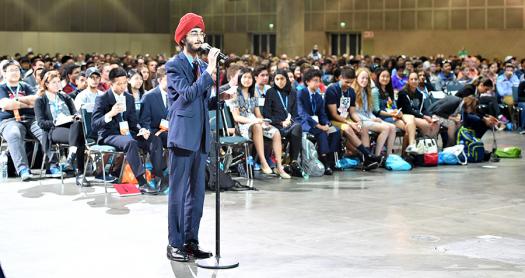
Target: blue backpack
x,y
474,148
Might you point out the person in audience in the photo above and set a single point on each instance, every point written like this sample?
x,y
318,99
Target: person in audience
x,y
135,85
446,75
261,84
115,121
386,109
152,79
86,98
144,71
482,88
30,77
51,107
493,72
448,112
474,119
424,87
364,108
410,101
281,108
81,85
105,83
505,83
70,75
17,116
340,108
247,115
154,108
399,78
314,120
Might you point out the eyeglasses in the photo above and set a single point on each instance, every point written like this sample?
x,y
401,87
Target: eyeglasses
x,y
195,34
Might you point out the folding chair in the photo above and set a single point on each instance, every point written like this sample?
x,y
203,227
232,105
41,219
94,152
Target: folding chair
x,y
94,149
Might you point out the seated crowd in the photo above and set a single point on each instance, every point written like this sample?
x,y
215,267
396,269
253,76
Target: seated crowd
x,y
346,105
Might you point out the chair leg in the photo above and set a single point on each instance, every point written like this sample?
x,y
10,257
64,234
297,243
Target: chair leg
x,y
87,162
103,173
42,165
60,165
35,151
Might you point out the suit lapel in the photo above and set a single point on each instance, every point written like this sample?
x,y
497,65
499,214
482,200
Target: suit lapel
x,y
188,71
160,101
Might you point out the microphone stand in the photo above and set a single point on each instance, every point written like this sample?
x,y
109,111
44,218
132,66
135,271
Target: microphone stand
x,y
217,262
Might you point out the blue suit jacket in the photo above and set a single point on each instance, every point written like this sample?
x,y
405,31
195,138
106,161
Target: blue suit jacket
x,y
103,104
152,110
188,108
305,110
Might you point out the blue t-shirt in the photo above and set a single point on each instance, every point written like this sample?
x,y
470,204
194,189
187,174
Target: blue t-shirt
x,y
334,94
12,92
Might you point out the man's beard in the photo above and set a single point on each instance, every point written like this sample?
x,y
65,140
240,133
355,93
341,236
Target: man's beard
x,y
192,48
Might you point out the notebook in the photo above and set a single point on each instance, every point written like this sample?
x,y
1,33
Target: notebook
x,y
127,189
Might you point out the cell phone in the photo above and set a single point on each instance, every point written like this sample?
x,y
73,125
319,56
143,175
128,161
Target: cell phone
x,y
267,120
399,111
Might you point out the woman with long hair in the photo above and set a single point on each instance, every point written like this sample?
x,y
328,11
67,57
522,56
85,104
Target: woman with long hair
x,y
410,100
252,126
386,109
364,106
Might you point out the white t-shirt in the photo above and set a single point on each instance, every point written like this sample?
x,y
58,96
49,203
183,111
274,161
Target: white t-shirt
x,y
86,99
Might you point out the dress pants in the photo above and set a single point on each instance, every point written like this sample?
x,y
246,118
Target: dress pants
x,y
130,145
186,195
326,143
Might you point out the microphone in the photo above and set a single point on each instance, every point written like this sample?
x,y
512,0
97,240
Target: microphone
x,y
207,47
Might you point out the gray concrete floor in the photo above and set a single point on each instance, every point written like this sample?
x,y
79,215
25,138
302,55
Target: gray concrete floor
x,y
455,221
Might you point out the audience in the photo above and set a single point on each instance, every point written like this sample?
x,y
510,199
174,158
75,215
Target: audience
x,y
363,97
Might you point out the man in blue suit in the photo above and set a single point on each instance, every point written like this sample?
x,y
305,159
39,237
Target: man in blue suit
x,y
154,108
115,121
189,89
315,121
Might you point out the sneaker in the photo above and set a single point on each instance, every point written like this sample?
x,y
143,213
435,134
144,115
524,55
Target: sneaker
x,y
25,174
109,178
55,172
369,163
411,149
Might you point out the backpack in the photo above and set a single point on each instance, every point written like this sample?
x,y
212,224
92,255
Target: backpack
x,y
227,183
309,160
474,148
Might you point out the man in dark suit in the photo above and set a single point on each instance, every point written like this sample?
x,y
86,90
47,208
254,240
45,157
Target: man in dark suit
x,y
115,121
154,108
189,89
315,121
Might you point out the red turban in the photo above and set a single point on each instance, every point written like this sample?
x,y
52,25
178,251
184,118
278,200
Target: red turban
x,y
186,23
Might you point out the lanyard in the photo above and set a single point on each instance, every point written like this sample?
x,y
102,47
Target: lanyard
x,y
343,93
258,91
55,104
284,101
17,90
73,86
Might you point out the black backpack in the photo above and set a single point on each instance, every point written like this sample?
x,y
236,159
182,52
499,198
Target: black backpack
x,y
227,183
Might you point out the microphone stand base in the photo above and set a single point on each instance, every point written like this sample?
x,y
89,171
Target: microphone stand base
x,y
217,263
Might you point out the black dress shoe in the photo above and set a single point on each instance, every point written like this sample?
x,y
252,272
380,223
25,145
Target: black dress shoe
x,y
192,249
82,181
176,254
328,171
145,189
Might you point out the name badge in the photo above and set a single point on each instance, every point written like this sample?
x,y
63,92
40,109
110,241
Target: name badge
x,y
316,118
124,128
332,129
164,124
260,101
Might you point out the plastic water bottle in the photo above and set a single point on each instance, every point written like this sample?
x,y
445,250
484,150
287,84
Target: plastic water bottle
x,y
3,166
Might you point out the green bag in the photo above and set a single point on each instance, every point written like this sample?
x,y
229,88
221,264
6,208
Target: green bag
x,y
509,152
